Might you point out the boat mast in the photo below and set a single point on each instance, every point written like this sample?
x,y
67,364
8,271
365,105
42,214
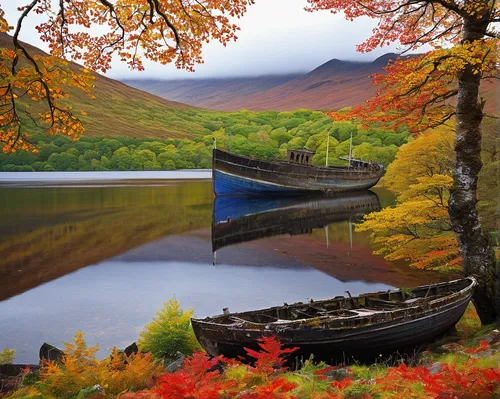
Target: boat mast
x,y
350,150
327,148
350,231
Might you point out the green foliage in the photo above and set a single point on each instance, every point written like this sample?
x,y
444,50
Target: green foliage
x,y
7,356
361,390
263,135
169,332
376,370
281,135
28,393
309,379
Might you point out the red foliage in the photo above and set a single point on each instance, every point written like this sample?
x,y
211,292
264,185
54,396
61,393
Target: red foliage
x,y
341,385
448,382
483,345
271,357
471,380
266,380
279,388
193,380
321,373
401,375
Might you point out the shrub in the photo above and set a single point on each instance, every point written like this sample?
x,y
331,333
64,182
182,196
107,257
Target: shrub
x,y
169,332
200,378
79,371
7,356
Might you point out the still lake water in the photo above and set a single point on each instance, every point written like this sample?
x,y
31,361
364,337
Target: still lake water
x,y
101,252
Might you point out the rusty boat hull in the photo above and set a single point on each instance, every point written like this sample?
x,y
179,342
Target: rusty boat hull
x,y
237,175
342,328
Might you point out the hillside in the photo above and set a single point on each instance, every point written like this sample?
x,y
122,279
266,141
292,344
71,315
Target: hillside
x,y
335,84
123,110
209,93
128,129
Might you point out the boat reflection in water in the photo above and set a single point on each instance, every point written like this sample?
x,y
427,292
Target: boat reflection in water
x,y
241,219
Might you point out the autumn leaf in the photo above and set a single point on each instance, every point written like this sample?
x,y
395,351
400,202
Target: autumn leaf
x,y
161,31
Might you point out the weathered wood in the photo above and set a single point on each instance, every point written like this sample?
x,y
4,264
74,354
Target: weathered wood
x,y
333,328
236,175
50,353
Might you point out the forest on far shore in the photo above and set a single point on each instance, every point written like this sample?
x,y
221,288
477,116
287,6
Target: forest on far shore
x,y
264,135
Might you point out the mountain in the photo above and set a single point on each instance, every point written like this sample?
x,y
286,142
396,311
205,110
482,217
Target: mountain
x,y
333,85
490,91
208,93
123,110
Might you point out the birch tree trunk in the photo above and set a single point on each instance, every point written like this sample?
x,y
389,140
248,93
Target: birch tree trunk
x,y
478,255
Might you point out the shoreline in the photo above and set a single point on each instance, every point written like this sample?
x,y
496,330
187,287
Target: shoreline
x,y
99,179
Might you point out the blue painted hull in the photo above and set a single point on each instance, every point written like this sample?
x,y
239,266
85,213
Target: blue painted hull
x,y
228,184
236,175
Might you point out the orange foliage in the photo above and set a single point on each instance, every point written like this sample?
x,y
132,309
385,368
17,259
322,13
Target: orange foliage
x,y
218,378
158,30
80,369
416,91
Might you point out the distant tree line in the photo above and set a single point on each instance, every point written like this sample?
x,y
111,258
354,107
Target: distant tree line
x,y
259,134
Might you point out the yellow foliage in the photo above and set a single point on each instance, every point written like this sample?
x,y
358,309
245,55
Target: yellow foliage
x,y
428,155
80,369
7,355
417,229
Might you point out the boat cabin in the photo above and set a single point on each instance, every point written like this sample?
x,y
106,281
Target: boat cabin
x,y
303,157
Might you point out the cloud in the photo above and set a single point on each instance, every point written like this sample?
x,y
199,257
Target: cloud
x,y
276,37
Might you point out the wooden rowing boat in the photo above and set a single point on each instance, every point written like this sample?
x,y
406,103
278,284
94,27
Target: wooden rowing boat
x,y
241,219
237,175
342,327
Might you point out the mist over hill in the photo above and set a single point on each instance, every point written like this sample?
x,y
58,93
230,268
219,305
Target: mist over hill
x,y
332,85
335,84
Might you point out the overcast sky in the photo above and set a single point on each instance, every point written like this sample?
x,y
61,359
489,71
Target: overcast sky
x,y
276,37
